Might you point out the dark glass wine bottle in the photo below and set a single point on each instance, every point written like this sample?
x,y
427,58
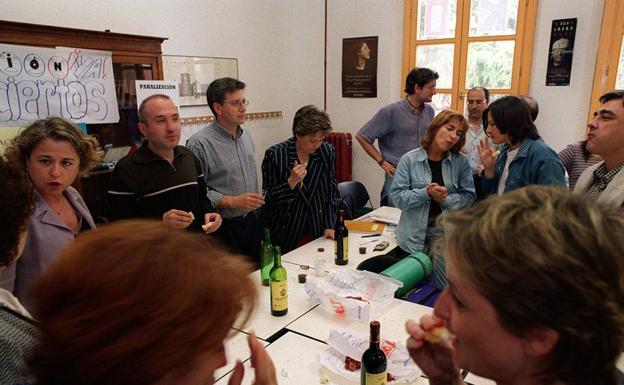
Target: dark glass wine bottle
x,y
374,363
266,255
341,233
278,282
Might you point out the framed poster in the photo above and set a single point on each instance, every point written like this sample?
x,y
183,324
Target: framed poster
x,y
561,50
193,75
359,67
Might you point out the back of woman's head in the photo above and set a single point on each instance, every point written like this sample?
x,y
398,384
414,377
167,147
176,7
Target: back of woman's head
x,y
512,117
133,301
547,258
16,205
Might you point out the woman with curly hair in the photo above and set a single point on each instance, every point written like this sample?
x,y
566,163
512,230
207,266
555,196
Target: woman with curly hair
x,y
53,152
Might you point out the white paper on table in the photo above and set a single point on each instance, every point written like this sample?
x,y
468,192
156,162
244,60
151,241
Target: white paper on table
x,y
371,293
345,343
384,219
389,231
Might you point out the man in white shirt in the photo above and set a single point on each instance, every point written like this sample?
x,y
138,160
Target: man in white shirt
x,y
477,100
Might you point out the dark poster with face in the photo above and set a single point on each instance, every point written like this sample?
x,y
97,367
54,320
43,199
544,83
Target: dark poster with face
x,y
560,52
359,67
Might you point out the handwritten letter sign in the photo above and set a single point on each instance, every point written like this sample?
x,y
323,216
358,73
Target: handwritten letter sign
x,y
39,82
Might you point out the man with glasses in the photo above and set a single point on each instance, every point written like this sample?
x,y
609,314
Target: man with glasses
x,y
400,126
477,100
227,155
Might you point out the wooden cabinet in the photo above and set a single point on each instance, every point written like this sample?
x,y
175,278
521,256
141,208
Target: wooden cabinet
x,y
134,58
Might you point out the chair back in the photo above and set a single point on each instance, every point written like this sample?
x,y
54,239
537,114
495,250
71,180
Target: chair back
x,y
354,195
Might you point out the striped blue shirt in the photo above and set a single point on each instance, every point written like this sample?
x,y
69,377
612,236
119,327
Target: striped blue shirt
x,y
228,163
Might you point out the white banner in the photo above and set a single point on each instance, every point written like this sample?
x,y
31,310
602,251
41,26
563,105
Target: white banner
x,y
147,88
75,84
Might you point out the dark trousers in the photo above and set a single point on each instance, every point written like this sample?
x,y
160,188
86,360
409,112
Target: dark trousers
x,y
241,235
382,262
478,187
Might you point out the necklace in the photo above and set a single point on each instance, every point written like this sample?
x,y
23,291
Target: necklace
x,y
415,109
59,211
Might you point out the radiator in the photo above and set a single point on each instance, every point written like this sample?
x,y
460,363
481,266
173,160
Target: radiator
x,y
343,144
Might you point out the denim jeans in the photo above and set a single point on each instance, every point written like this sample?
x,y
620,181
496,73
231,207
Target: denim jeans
x,y
386,200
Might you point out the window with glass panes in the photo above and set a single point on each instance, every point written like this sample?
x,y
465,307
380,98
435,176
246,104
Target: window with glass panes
x,y
470,43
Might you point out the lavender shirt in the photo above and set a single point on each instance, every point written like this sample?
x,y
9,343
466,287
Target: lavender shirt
x,y
398,128
47,235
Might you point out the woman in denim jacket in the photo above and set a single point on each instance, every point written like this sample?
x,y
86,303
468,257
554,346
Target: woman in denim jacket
x,y
524,159
428,181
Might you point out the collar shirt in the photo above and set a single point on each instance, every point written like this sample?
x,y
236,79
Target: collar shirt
x,y
602,178
47,236
228,163
535,163
474,135
144,185
399,128
409,193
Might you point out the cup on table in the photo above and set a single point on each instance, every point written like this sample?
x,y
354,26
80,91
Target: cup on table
x,y
320,265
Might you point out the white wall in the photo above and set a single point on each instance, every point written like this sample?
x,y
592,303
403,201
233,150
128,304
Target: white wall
x,y
353,18
279,44
564,110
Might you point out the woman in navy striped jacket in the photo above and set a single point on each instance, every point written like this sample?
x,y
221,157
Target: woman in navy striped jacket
x,y
299,181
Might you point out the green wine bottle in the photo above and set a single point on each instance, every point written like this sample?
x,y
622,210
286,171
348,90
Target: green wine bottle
x,y
266,253
278,282
373,371
341,233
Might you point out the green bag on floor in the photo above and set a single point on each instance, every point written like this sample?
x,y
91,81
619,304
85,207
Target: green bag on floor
x,y
409,270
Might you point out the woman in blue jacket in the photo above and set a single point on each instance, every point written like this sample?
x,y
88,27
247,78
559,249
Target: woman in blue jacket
x,y
429,181
524,158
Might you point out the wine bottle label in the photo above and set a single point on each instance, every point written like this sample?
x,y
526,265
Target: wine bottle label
x,y
376,379
279,295
345,248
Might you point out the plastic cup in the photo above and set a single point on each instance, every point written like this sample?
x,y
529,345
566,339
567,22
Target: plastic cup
x,y
320,265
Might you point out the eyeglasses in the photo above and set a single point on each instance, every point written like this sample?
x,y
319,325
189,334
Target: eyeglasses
x,y
478,101
238,103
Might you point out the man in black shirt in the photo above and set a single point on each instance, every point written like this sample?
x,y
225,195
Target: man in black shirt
x,y
161,179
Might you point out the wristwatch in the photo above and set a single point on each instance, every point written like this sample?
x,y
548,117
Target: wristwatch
x,y
380,162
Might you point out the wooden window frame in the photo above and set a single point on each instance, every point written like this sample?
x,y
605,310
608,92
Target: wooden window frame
x,y
608,54
523,52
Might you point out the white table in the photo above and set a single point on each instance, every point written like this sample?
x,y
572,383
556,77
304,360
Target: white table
x,y
318,322
296,363
307,254
235,347
262,322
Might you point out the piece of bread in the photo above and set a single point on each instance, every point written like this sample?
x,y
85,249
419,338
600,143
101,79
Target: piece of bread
x,y
207,226
495,153
438,334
